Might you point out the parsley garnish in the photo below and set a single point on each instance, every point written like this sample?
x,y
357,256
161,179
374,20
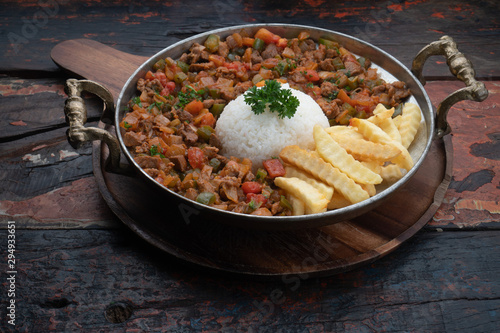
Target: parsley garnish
x,y
333,95
137,100
155,150
188,96
157,104
271,95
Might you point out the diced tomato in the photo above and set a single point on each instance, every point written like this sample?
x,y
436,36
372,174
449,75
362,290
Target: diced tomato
x,y
149,75
162,77
251,187
196,158
232,65
267,36
363,98
365,108
207,119
165,92
259,199
194,107
171,86
274,168
311,75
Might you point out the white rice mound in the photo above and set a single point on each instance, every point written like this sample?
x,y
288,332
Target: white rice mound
x,y
259,137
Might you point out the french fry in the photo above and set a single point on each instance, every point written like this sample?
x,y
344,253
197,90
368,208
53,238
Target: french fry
x,y
381,113
387,125
315,153
338,201
374,133
410,121
391,173
370,189
333,153
374,166
381,108
349,161
347,132
298,207
312,198
320,169
397,121
383,118
324,189
364,150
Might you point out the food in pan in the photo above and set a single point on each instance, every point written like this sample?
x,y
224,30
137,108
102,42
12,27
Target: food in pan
x,y
243,133
349,180
213,125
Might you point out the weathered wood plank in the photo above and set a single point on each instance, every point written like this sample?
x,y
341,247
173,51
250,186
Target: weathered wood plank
x,y
74,206
47,184
41,163
472,198
66,280
401,28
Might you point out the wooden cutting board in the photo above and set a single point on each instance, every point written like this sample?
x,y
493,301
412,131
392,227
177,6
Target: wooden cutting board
x,y
86,58
318,251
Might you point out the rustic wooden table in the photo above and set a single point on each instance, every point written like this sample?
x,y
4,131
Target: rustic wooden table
x,y
78,268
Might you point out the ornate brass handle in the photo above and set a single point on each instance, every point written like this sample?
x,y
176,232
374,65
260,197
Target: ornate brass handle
x,y
461,68
76,116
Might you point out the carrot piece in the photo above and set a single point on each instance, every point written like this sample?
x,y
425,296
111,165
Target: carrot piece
x,y
282,42
194,107
267,36
342,95
248,41
208,119
260,83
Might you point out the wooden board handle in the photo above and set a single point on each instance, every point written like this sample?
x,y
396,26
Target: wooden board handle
x,y
95,61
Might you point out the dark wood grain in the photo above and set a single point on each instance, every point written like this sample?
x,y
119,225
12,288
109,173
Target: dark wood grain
x,y
73,278
430,285
401,28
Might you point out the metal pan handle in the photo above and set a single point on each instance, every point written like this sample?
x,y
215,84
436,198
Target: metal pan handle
x,y
76,116
461,68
